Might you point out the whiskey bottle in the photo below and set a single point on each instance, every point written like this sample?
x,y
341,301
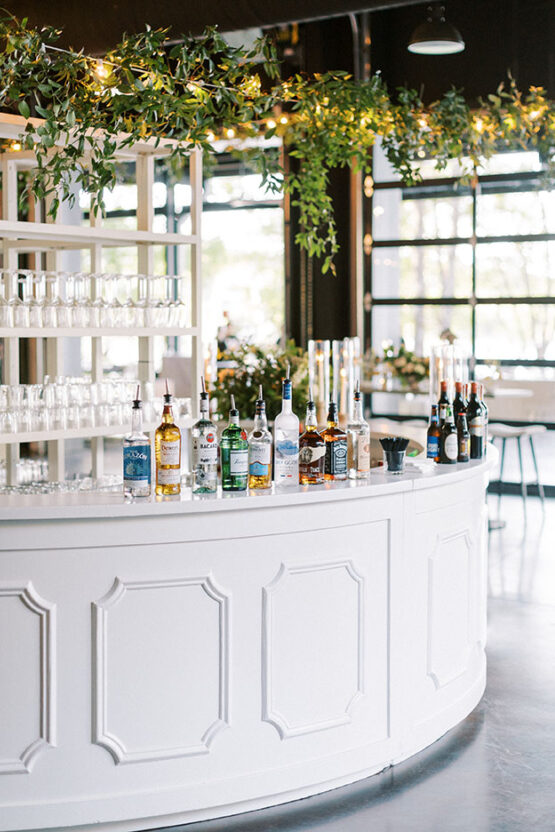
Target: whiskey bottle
x,y
443,402
260,448
475,414
286,439
335,459
167,448
358,441
448,446
234,454
312,449
434,435
204,449
463,438
136,455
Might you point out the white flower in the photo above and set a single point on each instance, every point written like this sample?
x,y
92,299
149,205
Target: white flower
x,y
409,368
400,362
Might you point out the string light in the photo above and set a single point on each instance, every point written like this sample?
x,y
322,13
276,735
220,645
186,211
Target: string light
x,y
478,125
230,133
15,146
283,120
271,124
535,114
101,71
210,136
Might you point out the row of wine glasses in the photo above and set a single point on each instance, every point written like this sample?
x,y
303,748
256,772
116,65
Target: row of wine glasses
x,y
61,300
27,471
39,485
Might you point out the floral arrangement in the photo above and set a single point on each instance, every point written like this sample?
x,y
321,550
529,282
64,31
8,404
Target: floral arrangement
x,y
408,367
201,89
252,366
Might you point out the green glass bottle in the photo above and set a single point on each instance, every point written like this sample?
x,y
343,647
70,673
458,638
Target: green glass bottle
x,y
234,451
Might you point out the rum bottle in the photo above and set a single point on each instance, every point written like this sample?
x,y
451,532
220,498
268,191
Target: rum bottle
x,y
286,439
260,447
476,418
167,449
234,454
204,449
358,441
433,436
136,455
312,449
448,446
335,460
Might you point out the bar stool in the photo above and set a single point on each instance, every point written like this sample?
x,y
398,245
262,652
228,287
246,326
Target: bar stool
x,y
504,432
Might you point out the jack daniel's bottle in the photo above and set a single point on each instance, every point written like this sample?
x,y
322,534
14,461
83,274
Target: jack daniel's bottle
x,y
335,464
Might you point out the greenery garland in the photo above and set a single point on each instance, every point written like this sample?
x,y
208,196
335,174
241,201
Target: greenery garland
x,y
203,89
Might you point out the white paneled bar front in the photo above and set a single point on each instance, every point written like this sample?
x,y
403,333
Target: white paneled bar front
x,y
167,662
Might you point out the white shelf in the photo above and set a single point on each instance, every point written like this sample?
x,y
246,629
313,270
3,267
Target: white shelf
x,y
44,332
54,235
69,433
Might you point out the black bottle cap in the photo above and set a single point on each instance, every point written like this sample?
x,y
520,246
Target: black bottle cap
x,y
137,404
233,412
167,394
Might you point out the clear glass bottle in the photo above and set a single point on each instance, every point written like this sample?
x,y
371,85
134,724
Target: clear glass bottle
x,y
260,447
167,447
312,449
358,441
234,450
335,460
204,449
136,455
286,439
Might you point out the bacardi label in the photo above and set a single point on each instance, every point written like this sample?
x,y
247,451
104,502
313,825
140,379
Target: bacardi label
x,y
205,449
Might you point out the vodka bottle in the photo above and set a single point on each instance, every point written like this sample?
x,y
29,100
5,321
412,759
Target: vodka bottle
x,y
358,441
286,439
136,455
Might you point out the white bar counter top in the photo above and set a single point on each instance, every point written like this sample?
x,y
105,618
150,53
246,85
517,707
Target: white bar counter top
x,y
164,662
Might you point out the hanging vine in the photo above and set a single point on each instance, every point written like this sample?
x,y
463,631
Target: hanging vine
x,y
204,89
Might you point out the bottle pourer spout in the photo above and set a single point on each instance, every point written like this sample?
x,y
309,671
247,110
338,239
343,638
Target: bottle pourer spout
x,y
260,393
232,397
202,384
287,370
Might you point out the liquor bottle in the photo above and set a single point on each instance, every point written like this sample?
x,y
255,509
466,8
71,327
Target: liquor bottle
x,y
167,449
335,460
358,441
286,439
312,449
448,446
463,438
136,455
260,447
475,415
443,402
459,402
204,449
482,400
433,436
234,453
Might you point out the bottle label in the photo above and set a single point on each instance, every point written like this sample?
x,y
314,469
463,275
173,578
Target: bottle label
x,y
287,459
136,464
168,476
442,412
170,452
433,447
451,446
464,447
308,455
205,449
239,462
336,457
363,456
259,460
476,426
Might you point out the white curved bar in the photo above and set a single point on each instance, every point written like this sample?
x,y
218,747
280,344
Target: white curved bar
x,y
168,662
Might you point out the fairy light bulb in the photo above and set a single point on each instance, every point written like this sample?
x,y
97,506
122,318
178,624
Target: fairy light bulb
x,y
101,71
270,124
283,120
15,146
210,136
230,133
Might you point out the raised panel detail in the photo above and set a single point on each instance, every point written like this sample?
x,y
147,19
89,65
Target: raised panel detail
x,y
449,613
27,677
312,647
154,697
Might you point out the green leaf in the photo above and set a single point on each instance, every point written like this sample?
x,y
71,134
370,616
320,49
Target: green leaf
x,y
23,108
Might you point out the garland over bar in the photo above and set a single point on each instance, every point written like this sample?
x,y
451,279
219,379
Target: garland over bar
x,y
203,89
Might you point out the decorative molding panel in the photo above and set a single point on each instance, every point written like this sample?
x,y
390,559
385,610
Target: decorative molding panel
x,y
46,652
283,667
187,642
450,591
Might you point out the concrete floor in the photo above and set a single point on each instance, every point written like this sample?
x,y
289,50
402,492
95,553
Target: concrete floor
x,y
496,771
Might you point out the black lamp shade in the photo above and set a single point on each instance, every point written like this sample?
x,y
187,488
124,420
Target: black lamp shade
x,y
436,36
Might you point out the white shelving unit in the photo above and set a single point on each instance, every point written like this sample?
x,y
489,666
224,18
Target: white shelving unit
x,y
39,237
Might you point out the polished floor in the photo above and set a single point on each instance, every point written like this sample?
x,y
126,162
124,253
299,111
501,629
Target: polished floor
x,y
496,771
